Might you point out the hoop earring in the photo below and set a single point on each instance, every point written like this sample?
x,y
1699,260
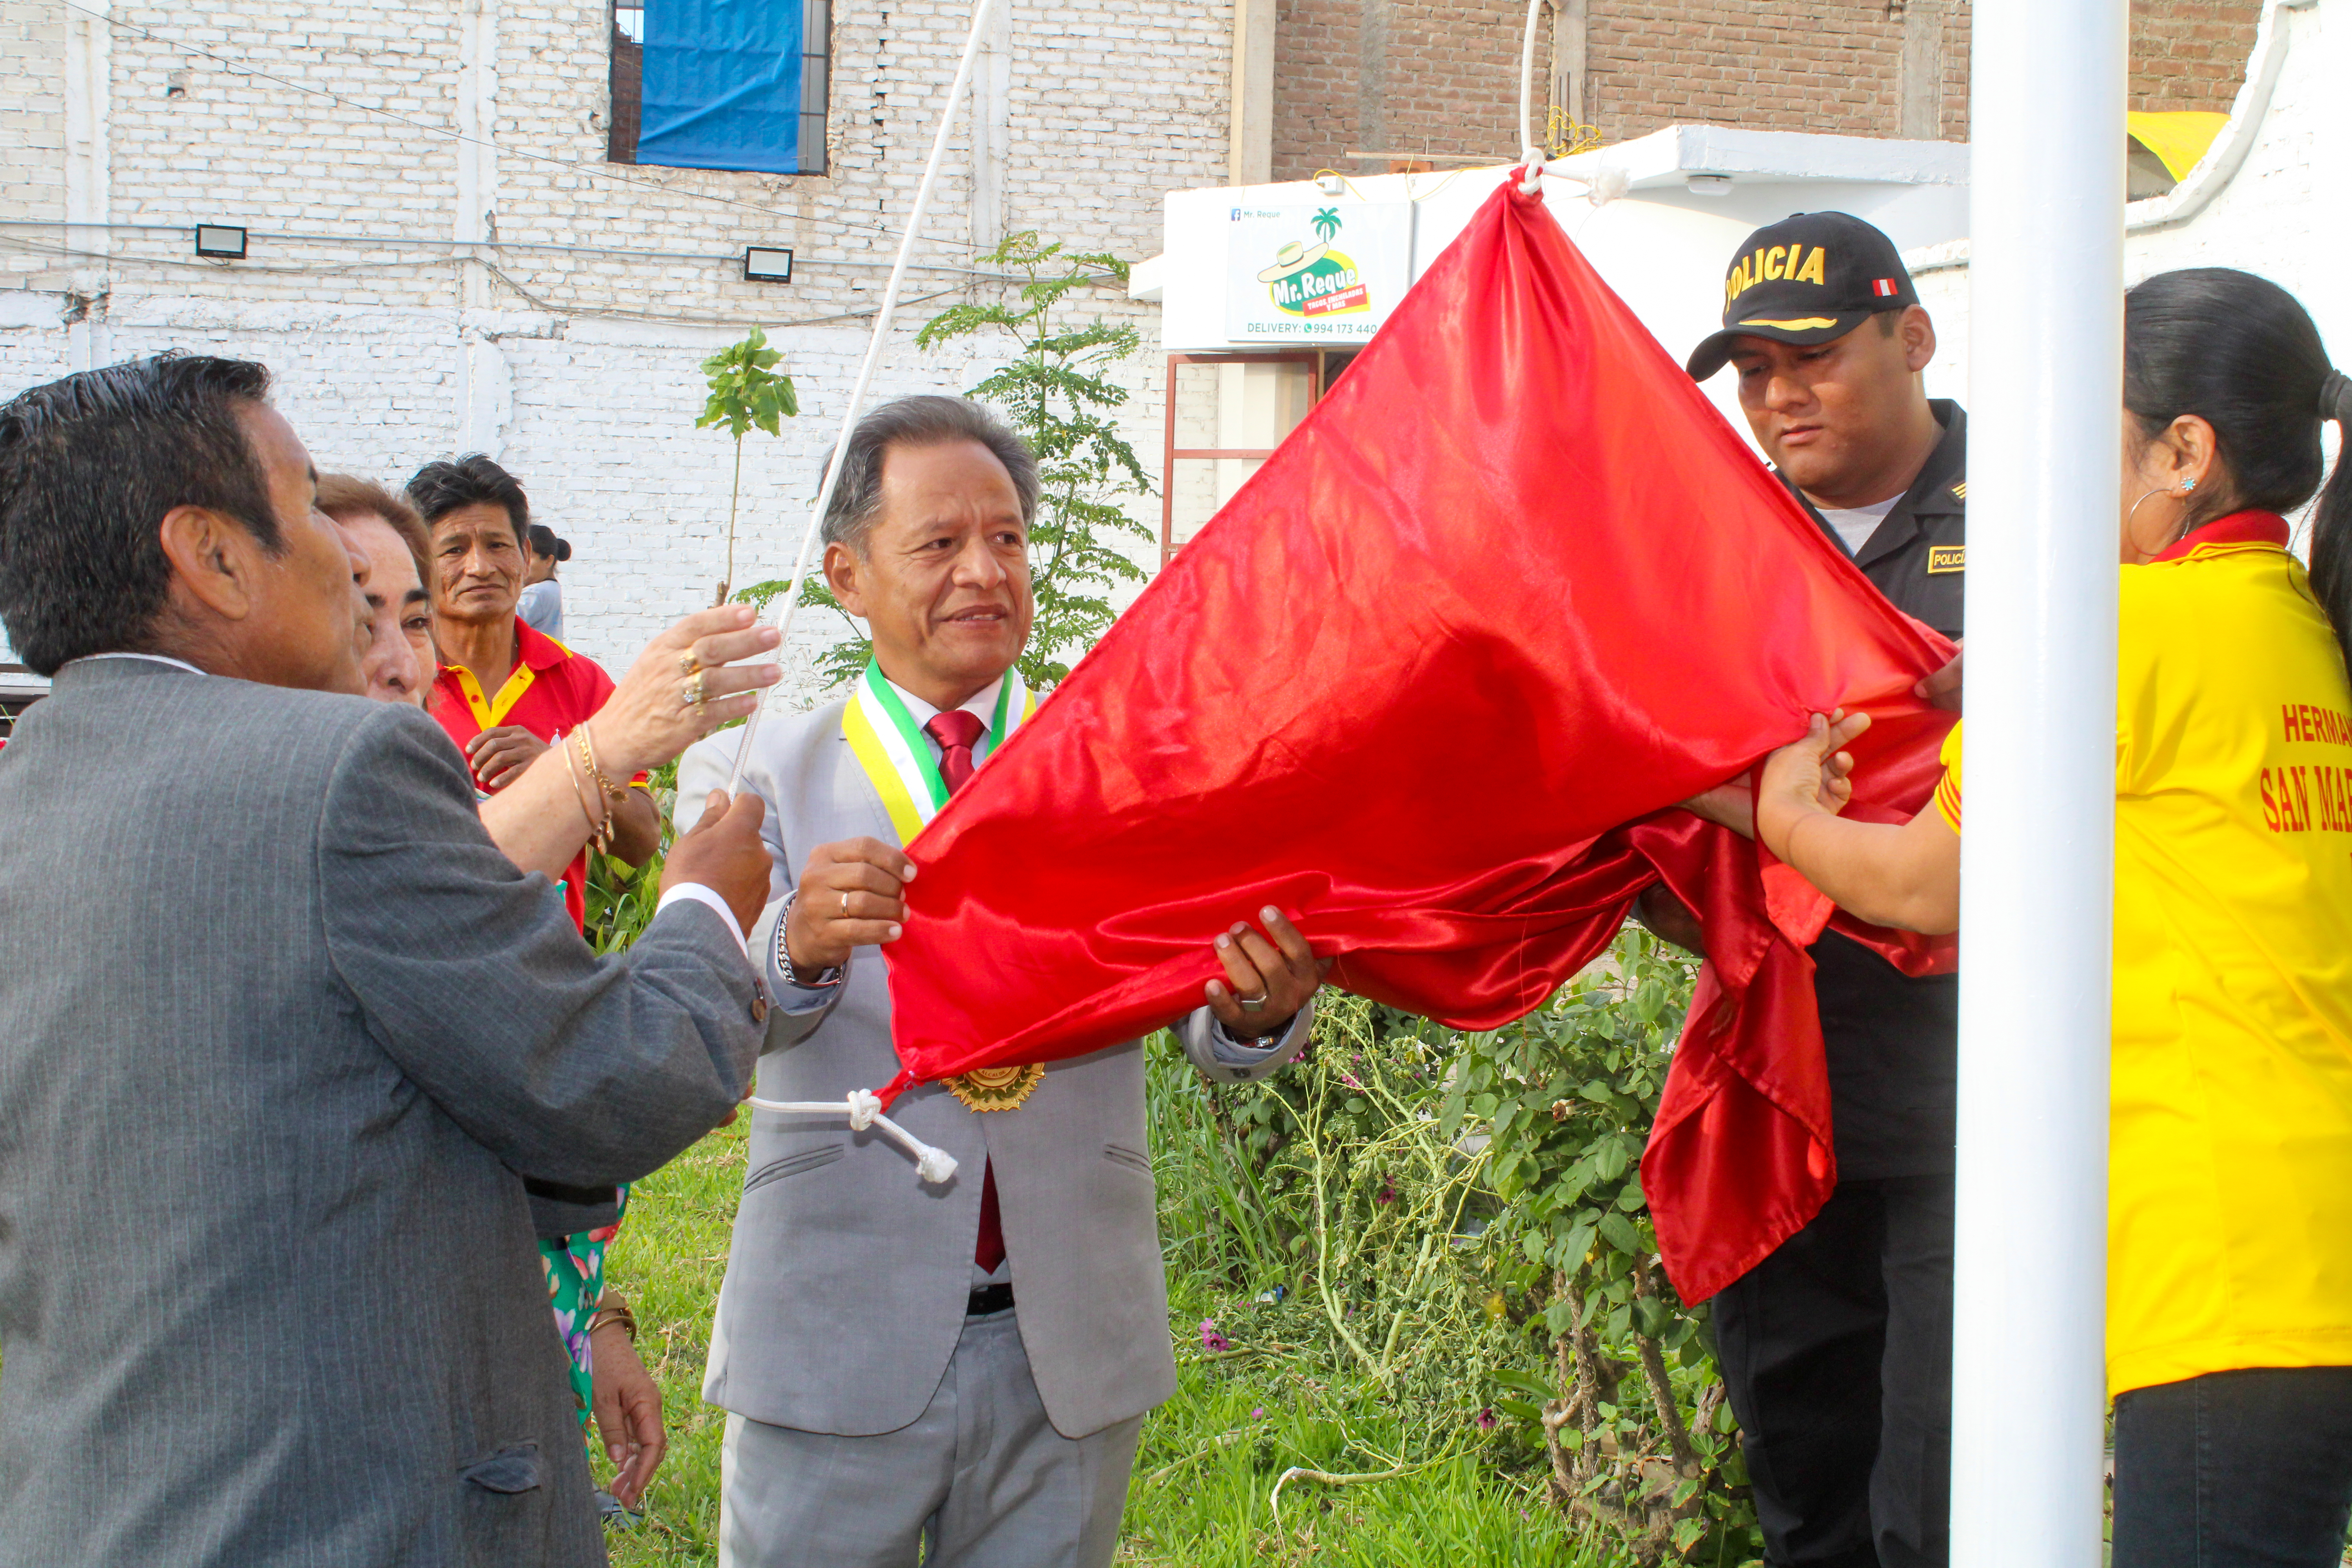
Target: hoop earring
x,y
2143,501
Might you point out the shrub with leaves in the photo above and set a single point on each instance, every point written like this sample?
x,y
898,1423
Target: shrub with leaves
x,y
620,898
1457,1223
1629,1406
745,391
1057,389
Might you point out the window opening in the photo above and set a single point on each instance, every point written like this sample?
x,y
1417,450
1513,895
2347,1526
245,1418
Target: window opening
x,y
723,97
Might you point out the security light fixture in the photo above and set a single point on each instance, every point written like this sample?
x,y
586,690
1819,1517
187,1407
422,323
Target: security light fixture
x,y
220,239
764,264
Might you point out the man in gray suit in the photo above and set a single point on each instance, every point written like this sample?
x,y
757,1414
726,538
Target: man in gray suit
x,y
960,1369
279,1027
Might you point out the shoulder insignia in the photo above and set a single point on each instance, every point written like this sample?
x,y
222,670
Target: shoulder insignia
x,y
1961,490
1947,558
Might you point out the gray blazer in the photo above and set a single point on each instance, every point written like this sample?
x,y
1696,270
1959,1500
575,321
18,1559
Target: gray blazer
x,y
847,1286
279,1024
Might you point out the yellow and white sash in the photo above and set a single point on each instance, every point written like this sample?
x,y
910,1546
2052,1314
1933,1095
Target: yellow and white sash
x,y
897,755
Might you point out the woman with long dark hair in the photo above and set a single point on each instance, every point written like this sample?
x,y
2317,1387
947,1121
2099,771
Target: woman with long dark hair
x,y
2229,1260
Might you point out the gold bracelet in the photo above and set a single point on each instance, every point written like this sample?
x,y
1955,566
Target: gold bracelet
x,y
600,831
588,753
617,1313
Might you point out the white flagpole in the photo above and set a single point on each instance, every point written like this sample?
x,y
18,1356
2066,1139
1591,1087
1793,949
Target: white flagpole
x,y
856,404
2045,357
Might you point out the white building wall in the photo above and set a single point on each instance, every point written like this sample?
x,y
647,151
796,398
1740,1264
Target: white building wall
x,y
2281,214
441,314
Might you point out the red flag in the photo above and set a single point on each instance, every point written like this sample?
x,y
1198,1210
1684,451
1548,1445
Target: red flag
x,y
1513,586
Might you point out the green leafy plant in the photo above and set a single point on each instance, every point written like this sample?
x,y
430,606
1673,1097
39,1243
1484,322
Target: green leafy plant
x,y
620,899
745,391
1629,1408
1057,391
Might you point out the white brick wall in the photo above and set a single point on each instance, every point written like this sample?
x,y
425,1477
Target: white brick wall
x,y
578,368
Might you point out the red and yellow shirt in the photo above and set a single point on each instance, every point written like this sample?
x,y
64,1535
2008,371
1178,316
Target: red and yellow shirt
x,y
550,692
2229,1176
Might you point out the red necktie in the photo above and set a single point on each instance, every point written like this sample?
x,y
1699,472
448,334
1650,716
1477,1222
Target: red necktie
x,y
956,731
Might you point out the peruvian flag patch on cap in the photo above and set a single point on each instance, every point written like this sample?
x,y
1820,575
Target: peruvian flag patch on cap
x,y
1883,286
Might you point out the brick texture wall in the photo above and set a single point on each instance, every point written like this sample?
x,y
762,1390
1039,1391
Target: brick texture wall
x,y
1451,70
2190,54
572,347
32,111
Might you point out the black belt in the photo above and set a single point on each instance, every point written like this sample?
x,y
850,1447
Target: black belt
x,y
988,1299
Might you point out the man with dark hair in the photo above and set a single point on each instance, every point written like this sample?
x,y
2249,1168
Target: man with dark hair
x,y
267,1293
959,1369
1837,1349
506,692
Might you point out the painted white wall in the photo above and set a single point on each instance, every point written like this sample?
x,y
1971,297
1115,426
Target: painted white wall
x,y
2281,212
1675,208
449,318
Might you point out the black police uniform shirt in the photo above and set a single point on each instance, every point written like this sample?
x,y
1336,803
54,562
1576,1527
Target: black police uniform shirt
x,y
1892,1041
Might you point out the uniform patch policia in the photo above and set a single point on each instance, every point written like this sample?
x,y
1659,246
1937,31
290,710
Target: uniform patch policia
x,y
1942,558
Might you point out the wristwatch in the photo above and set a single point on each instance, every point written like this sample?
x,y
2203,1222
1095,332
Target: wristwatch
x,y
828,976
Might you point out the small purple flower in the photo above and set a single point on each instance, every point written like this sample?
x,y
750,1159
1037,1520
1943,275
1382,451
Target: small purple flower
x,y
1349,1079
1387,1194
1257,1412
1210,1340
1484,1420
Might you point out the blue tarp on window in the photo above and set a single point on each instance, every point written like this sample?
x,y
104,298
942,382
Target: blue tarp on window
x,y
722,85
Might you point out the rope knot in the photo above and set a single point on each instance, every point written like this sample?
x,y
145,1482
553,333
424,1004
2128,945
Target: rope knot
x,y
864,1105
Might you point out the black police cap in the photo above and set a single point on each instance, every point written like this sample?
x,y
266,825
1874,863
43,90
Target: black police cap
x,y
1806,279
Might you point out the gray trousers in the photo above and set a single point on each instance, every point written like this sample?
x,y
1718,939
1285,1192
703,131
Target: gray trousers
x,y
980,1480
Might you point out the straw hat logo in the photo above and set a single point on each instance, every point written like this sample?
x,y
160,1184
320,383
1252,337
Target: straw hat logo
x,y
1293,258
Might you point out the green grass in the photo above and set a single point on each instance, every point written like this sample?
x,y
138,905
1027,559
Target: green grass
x,y
1202,1494
1209,1458
667,1260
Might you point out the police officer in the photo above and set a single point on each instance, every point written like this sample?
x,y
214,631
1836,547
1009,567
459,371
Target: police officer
x,y
1838,1348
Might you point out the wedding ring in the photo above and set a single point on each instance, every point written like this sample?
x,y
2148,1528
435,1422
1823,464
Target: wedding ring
x,y
695,697
1252,1003
844,906
687,665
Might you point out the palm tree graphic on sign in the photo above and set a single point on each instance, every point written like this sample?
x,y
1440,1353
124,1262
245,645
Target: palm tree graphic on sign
x,y
1327,223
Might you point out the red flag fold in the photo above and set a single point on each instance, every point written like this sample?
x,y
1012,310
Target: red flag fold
x,y
1428,683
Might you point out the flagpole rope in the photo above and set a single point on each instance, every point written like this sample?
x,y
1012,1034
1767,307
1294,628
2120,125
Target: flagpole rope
x,y
866,373
1533,157
862,1106
932,1164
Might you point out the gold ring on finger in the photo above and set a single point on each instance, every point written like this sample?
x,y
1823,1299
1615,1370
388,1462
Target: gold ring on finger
x,y
687,665
844,906
693,693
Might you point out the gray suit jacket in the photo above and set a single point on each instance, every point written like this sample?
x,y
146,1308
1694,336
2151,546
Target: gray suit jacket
x,y
279,1024
847,1286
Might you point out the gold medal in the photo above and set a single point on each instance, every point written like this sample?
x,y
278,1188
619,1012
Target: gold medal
x,y
997,1089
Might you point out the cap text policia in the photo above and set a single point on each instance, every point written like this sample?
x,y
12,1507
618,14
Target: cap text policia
x,y
1809,279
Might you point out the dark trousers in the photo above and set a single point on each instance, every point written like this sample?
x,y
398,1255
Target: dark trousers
x,y
2235,1470
1837,1352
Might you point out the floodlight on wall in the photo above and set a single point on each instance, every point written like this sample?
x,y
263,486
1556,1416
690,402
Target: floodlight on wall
x,y
220,239
763,264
